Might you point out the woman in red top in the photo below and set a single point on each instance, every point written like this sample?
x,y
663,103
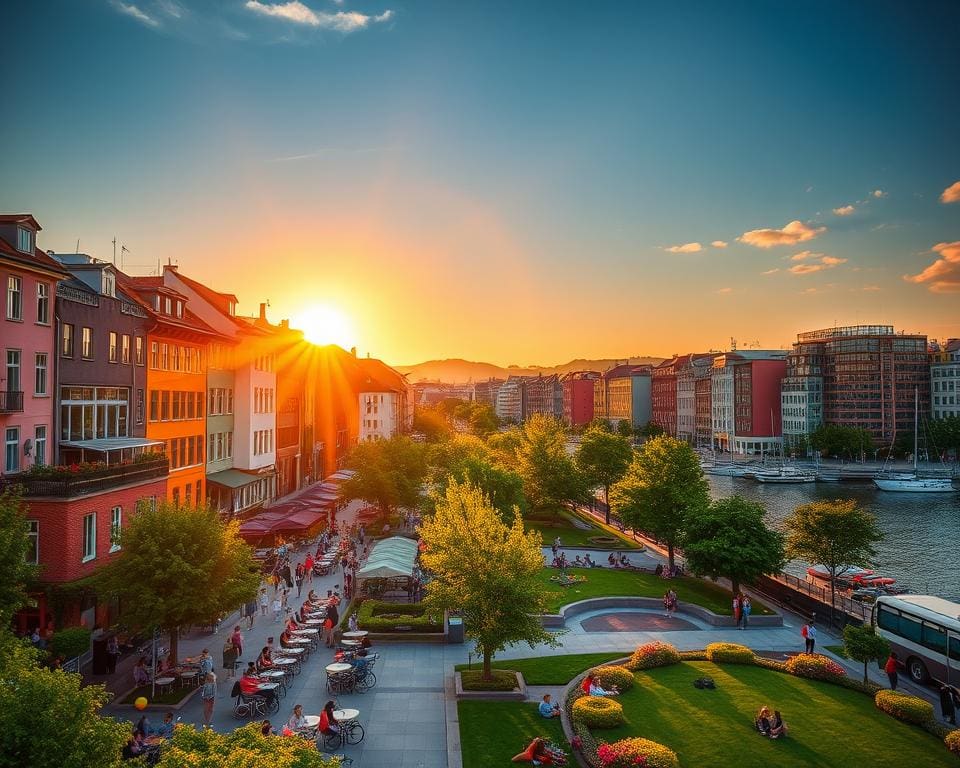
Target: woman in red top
x,y
265,660
585,685
891,669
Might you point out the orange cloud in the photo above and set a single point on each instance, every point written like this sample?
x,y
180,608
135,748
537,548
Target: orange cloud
x,y
718,244
793,233
685,248
724,290
804,255
844,210
943,275
822,262
832,261
951,194
878,193
771,271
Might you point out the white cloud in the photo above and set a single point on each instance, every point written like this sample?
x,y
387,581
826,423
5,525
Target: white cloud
x,y
943,275
870,288
844,210
718,244
804,255
771,271
951,194
685,248
724,290
793,233
878,193
171,8
298,13
134,12
814,262
832,261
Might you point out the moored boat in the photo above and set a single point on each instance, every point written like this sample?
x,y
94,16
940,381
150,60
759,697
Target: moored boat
x,y
916,484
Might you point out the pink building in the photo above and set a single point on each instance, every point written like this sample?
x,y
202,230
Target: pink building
x,y
29,280
756,401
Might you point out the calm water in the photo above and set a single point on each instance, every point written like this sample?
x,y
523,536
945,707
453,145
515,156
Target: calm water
x,y
921,545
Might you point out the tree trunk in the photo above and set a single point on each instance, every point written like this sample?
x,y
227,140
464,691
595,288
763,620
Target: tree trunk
x,y
735,587
174,638
865,679
487,672
833,593
606,500
670,556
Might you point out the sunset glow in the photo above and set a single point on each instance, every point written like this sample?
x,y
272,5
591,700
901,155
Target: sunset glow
x,y
325,324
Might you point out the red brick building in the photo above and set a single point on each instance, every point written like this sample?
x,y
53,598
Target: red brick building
x,y
578,397
663,396
756,405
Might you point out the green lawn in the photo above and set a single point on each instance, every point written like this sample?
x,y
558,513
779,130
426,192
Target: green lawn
x,y
837,650
491,732
604,582
174,696
561,524
553,670
829,725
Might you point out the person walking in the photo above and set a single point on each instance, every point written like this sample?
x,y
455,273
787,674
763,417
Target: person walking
x,y
113,653
277,609
236,640
250,609
746,608
809,633
328,632
230,657
299,575
205,662
737,608
891,669
264,600
208,694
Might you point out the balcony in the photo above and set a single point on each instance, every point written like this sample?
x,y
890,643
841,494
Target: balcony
x,y
11,402
85,479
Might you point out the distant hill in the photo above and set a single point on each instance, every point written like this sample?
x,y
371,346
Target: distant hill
x,y
457,371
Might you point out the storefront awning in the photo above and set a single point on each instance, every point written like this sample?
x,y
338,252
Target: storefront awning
x,y
232,478
104,444
391,557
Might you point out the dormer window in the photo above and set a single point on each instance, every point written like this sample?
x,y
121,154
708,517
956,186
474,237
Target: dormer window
x,y
109,284
156,303
166,306
179,309
233,308
24,240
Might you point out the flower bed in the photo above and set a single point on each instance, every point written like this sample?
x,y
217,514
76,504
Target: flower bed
x,y
613,675
815,667
902,706
598,712
953,742
729,653
379,616
655,654
628,753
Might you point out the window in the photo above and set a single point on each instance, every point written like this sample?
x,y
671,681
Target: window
x,y
165,406
116,523
89,537
33,539
230,400
86,343
125,349
212,455
165,357
12,450
166,305
176,491
24,240
154,405
138,350
13,370
14,298
43,303
935,638
40,445
112,349
176,405
188,489
154,355
40,379
139,406
180,314
175,357
66,340
93,412
229,446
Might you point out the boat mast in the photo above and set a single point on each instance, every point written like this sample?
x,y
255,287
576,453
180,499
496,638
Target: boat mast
x,y
916,412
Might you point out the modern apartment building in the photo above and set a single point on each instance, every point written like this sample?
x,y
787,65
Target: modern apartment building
x,y
486,391
688,369
866,376
542,395
703,404
510,400
945,380
578,397
756,406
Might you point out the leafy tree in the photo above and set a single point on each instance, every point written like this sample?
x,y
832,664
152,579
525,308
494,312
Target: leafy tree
x,y
48,719
550,477
649,431
943,435
389,473
624,428
864,644
485,569
600,423
506,446
602,458
179,566
662,487
836,533
244,746
468,459
483,420
432,423
15,573
730,538
839,440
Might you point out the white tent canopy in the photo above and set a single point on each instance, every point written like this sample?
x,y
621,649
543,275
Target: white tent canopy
x,y
390,558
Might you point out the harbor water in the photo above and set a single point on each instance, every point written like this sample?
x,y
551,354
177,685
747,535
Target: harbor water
x,y
921,544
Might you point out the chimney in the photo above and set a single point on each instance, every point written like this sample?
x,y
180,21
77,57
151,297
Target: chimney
x,y
285,324
353,351
263,311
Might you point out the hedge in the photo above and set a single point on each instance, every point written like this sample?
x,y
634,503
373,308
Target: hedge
x,y
412,615
651,655
598,712
729,653
902,706
629,753
70,643
952,741
613,675
815,667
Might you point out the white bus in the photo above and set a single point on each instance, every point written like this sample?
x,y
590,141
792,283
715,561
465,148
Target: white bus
x,y
925,633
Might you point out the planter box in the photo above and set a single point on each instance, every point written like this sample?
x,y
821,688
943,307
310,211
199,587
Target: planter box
x,y
516,695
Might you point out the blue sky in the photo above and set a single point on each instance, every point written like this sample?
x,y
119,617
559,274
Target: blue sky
x,y
505,181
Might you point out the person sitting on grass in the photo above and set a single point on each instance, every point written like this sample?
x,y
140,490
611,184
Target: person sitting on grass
x,y
591,686
547,708
624,563
578,562
762,721
587,561
612,559
778,728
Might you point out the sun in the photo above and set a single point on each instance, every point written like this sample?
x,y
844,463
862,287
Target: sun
x,y
325,324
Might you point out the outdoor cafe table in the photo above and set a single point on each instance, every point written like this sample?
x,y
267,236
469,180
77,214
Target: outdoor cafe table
x,y
284,661
343,715
292,651
337,667
307,631
313,722
165,682
357,634
350,643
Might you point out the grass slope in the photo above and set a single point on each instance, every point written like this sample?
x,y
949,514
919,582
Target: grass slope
x,y
604,582
829,726
561,524
491,732
553,670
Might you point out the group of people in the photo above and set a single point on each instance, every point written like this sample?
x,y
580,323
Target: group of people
x,y
770,725
618,560
670,602
742,608
145,740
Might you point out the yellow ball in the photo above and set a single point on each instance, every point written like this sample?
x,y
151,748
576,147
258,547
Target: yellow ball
x,y
141,702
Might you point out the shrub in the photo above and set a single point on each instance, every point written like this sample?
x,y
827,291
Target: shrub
x,y
902,706
503,680
379,616
815,667
952,741
776,666
693,655
70,643
629,753
598,712
613,675
655,654
729,653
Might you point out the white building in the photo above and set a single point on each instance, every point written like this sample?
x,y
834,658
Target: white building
x,y
721,401
379,415
510,400
945,381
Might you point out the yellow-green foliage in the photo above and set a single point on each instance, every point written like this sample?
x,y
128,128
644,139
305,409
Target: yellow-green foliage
x,y
613,675
629,753
729,653
598,712
952,741
655,654
902,706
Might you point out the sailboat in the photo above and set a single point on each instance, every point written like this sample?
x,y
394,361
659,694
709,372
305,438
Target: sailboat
x,y
784,473
913,483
